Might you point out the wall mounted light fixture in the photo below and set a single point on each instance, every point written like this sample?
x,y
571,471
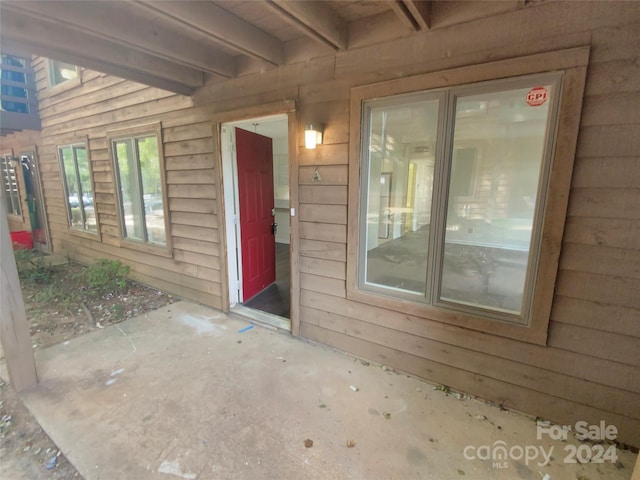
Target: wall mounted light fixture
x,y
312,136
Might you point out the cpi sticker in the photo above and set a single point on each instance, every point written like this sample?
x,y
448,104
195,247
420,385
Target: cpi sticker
x,y
537,96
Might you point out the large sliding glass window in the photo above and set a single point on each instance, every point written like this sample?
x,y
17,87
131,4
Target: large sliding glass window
x,y
139,176
453,189
76,179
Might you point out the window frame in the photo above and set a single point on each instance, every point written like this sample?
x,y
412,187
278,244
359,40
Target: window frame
x,y
572,63
73,143
133,133
59,87
9,159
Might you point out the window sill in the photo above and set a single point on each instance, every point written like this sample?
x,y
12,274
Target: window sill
x,y
64,86
86,234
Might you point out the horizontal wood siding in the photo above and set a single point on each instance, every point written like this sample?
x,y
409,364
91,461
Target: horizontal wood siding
x,y
103,103
590,369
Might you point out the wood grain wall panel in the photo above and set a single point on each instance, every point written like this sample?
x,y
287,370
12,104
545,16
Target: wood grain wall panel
x,y
501,369
323,268
104,103
191,177
324,250
608,232
325,154
330,286
317,231
596,315
587,367
323,195
607,172
502,393
189,162
323,213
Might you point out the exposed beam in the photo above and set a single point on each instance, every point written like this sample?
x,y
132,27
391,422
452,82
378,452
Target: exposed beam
x,y
315,19
51,40
416,14
221,26
124,24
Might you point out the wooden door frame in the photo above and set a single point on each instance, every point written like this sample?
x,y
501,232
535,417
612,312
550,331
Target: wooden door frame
x,y
288,108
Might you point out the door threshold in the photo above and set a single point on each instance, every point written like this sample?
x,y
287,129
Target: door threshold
x,y
264,318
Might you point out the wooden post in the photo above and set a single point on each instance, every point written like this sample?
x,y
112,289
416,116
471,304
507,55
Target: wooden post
x,y
14,329
636,471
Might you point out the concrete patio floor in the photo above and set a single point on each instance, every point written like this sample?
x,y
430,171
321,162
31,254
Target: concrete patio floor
x,y
181,393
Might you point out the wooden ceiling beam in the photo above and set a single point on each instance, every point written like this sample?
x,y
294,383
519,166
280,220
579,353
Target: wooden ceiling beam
x,y
416,14
220,26
315,20
51,40
130,26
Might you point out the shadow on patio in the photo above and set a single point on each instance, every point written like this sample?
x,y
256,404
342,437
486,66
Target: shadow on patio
x,y
182,393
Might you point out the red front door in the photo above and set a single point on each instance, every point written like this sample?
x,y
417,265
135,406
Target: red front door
x,y
255,190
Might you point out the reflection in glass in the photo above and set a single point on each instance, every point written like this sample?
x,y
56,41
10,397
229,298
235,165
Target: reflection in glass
x,y
78,191
61,72
400,170
496,164
141,189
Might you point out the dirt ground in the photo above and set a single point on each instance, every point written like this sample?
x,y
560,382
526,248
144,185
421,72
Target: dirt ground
x,y
60,305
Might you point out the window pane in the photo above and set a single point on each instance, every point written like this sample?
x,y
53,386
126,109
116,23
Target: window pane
x,y
498,151
61,72
72,189
85,199
129,190
152,189
400,172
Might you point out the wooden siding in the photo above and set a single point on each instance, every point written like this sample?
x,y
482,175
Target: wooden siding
x,y
590,368
104,103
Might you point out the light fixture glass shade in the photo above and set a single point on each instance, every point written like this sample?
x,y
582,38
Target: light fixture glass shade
x,y
312,136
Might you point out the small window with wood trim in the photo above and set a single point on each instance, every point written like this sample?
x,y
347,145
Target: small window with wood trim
x,y
452,220
63,73
78,187
10,185
139,168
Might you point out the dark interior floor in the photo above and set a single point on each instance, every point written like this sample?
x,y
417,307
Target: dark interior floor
x,y
276,297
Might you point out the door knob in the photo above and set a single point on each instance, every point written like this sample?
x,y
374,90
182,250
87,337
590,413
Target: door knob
x,y
274,228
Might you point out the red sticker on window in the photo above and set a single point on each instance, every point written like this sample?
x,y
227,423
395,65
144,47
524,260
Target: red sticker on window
x,y
537,96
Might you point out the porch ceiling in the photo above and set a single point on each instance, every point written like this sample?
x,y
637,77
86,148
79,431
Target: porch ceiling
x,y
181,45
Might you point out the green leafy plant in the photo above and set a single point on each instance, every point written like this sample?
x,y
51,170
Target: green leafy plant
x,y
117,312
32,267
23,260
107,276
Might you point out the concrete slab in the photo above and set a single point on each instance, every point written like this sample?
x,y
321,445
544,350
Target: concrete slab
x,y
181,393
